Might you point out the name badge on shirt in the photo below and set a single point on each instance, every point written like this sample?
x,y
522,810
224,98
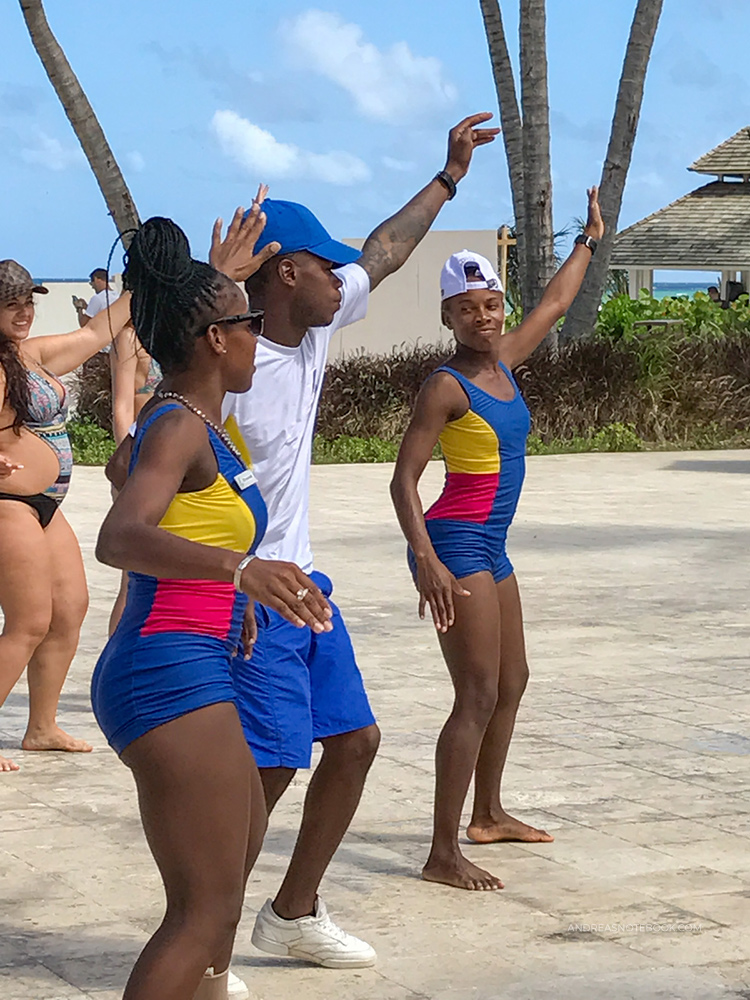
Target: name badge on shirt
x,y
245,479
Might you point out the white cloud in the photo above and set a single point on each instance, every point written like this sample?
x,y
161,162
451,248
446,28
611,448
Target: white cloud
x,y
45,151
261,153
135,161
391,85
403,166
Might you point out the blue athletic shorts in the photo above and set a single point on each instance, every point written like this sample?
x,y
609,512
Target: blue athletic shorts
x,y
298,687
466,547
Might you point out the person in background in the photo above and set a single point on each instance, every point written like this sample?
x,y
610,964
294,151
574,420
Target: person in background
x,y
104,295
135,378
42,583
456,554
714,294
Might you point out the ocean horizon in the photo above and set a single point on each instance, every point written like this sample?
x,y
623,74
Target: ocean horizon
x,y
673,289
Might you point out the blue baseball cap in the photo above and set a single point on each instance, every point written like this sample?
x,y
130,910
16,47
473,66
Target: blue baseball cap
x,y
296,228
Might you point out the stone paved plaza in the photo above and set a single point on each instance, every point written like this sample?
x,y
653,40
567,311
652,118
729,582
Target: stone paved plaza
x,y
632,747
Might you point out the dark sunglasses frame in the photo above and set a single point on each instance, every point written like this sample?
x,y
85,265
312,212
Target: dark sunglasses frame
x,y
255,316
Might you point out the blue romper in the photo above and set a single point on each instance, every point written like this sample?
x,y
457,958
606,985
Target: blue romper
x,y
171,652
485,456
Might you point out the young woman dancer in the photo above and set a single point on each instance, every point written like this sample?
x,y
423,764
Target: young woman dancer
x,y
42,584
472,405
182,524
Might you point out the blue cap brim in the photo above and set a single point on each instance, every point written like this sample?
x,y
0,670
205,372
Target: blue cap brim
x,y
337,253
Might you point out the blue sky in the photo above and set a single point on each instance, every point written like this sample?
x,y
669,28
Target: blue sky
x,y
343,106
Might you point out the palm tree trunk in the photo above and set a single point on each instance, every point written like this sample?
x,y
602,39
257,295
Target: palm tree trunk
x,y
81,116
510,114
582,314
540,250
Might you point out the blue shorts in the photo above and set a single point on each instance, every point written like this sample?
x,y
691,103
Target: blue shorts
x,y
466,547
141,682
298,687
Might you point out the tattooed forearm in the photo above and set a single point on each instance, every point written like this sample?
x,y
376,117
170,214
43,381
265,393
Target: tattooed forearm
x,y
391,243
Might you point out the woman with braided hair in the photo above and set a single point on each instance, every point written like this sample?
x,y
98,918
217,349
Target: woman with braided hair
x,y
185,525
43,593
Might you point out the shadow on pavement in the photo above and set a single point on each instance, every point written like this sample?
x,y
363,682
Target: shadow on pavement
x,y
710,465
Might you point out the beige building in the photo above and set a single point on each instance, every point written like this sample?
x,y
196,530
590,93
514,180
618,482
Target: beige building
x,y
405,309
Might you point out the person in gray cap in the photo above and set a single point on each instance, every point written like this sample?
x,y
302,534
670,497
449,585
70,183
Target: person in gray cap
x,y
42,584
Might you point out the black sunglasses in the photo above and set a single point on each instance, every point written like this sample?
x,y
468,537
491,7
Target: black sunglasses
x,y
254,317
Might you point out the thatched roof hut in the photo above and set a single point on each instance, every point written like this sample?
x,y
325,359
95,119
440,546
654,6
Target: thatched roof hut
x,y
708,229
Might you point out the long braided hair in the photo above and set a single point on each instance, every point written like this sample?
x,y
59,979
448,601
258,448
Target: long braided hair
x,y
174,296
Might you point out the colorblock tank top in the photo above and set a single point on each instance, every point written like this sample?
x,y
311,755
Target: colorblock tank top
x,y
228,514
485,456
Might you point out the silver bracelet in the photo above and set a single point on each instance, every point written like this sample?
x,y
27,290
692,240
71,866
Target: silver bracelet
x,y
237,578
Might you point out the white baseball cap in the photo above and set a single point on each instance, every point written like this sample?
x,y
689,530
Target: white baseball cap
x,y
466,270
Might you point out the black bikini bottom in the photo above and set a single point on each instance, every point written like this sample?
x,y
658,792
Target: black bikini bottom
x,y
44,505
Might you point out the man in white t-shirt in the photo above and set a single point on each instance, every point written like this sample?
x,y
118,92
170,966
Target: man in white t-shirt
x,y
299,687
103,296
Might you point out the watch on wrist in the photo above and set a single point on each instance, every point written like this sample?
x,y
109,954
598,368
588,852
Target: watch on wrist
x,y
587,241
447,181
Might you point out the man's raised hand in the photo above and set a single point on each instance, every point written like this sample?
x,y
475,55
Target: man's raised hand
x,y
463,140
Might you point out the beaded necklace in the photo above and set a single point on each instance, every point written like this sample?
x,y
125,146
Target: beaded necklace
x,y
219,431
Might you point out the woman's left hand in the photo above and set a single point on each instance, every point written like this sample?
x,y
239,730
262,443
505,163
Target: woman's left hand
x,y
234,255
7,467
594,222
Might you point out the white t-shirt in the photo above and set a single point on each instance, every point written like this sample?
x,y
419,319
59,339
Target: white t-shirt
x,y
276,419
100,301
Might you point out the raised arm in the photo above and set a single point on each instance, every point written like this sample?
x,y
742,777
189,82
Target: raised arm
x,y
63,352
390,244
123,360
517,345
440,400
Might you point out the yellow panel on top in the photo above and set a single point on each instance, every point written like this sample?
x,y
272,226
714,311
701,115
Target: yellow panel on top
x,y
470,445
215,516
235,434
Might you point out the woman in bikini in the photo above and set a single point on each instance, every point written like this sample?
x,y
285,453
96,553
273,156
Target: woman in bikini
x,y
472,405
42,584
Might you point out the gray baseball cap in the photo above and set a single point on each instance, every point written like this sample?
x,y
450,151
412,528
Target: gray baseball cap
x,y
15,281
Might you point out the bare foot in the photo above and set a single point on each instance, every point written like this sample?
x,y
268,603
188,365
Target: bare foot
x,y
506,828
55,739
8,765
461,874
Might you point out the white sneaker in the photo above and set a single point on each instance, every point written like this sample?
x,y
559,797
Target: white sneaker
x,y
316,939
236,989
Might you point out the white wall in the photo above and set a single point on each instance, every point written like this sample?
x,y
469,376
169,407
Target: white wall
x,y
55,312
405,309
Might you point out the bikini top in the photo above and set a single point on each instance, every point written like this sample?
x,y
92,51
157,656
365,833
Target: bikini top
x,y
229,513
153,378
46,408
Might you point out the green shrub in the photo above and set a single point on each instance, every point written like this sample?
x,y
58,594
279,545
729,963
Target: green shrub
x,y
353,449
92,445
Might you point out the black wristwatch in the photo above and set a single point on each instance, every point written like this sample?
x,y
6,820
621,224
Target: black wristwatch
x,y
586,241
447,181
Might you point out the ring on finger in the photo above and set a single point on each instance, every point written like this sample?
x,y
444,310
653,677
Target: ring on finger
x,y
302,593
